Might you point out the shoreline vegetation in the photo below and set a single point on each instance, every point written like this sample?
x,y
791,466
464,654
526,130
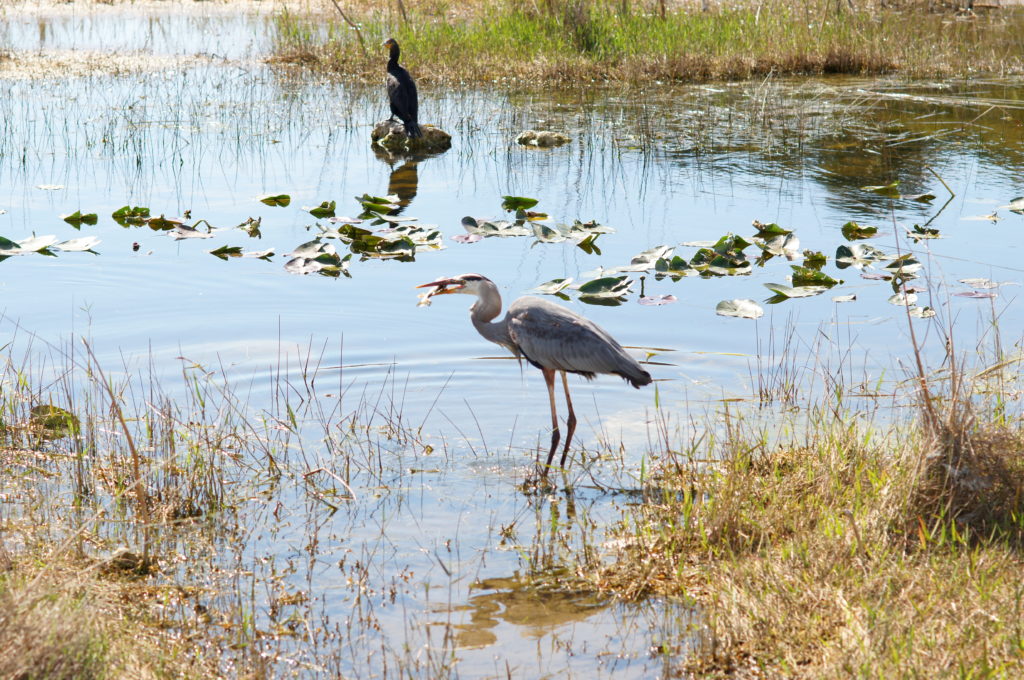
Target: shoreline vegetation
x,y
623,41
855,549
874,530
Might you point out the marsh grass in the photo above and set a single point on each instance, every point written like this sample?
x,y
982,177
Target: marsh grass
x,y
588,41
62,618
137,514
845,546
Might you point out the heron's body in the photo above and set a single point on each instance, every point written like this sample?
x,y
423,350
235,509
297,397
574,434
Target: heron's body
x,y
402,92
549,336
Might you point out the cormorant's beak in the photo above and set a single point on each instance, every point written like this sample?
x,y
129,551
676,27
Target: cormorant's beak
x,y
444,286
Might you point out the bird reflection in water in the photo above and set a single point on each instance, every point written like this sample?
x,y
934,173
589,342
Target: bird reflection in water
x,y
405,179
544,598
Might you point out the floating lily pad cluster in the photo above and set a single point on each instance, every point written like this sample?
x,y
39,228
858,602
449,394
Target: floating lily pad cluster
x,y
397,240
728,256
532,223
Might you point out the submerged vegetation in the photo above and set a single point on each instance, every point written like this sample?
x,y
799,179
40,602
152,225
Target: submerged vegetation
x,y
586,41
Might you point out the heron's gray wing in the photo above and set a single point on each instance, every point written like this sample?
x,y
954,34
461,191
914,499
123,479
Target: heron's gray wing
x,y
552,336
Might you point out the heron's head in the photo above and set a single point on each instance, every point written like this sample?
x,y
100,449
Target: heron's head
x,y
467,284
390,43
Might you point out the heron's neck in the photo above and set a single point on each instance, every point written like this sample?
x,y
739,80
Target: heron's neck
x,y
482,313
393,58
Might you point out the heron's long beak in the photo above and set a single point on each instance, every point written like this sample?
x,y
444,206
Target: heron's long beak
x,y
444,286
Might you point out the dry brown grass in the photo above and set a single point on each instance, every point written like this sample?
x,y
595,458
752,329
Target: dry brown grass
x,y
73,619
859,555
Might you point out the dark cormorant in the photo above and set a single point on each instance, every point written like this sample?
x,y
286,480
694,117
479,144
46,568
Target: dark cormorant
x,y
402,92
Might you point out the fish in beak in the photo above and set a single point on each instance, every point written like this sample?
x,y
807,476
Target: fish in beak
x,y
440,287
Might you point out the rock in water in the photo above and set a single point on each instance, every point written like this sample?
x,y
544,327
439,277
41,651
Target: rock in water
x,y
391,135
542,138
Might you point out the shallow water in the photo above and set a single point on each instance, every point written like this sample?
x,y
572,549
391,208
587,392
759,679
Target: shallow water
x,y
663,166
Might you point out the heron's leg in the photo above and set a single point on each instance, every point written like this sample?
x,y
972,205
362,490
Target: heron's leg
x,y
571,422
549,378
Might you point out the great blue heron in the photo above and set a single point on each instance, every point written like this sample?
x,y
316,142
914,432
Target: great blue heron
x,y
550,337
402,92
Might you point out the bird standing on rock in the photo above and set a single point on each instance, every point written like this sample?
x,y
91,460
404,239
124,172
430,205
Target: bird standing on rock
x,y
549,336
402,92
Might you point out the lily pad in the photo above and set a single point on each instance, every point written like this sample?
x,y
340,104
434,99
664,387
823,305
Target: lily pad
x,y
744,309
552,287
648,259
34,244
589,245
858,255
378,204
546,234
676,268
814,259
844,298
281,200
578,228
608,286
502,228
904,265
183,231
78,245
424,236
769,230
918,233
787,245
785,292
804,276
162,223
126,215
467,238
903,299
890,190
512,203
856,232
1016,205
380,218
324,210
979,294
77,219
224,252
921,312
252,227
317,257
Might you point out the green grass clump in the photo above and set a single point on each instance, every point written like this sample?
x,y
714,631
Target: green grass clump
x,y
592,40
